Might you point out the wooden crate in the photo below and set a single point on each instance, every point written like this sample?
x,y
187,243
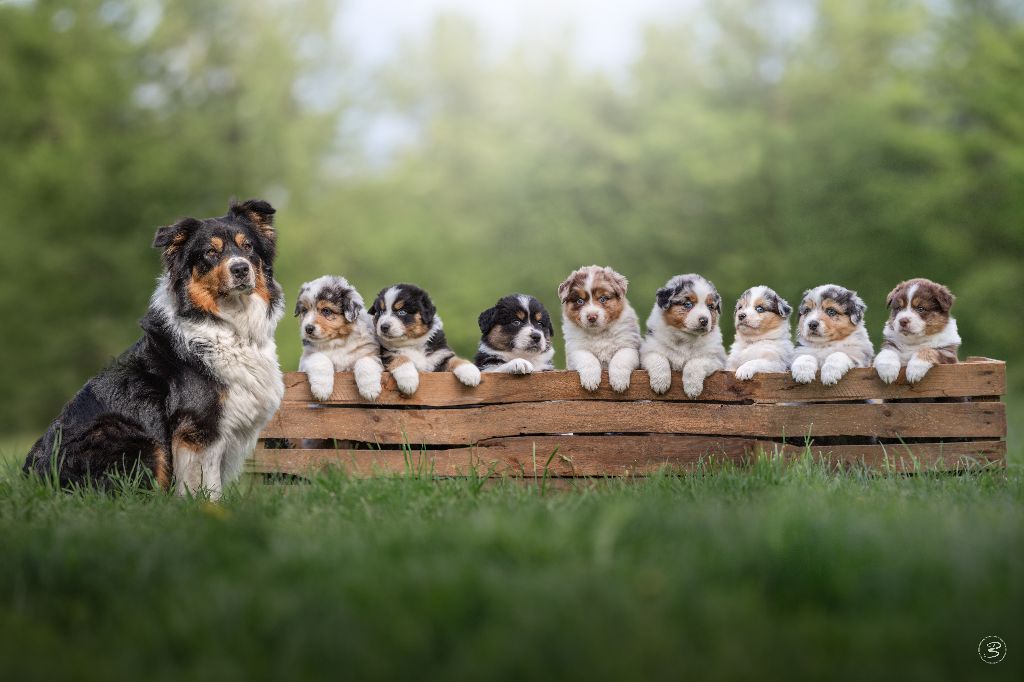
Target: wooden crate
x,y
511,425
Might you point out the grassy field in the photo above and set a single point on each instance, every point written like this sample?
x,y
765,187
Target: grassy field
x,y
770,573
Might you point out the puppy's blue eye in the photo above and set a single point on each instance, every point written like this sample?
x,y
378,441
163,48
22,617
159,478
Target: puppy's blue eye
x,y
919,309
580,301
400,313
603,299
687,304
759,308
831,312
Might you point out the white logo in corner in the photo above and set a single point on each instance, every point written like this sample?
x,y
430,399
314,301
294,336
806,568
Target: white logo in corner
x,y
992,649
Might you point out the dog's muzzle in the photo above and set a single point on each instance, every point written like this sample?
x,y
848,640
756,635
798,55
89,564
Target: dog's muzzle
x,y
243,277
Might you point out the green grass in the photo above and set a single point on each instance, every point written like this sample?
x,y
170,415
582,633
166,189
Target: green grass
x,y
770,573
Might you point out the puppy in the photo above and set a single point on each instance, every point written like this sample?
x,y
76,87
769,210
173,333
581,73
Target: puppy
x,y
831,334
600,328
683,334
190,397
516,336
763,342
919,332
337,336
412,340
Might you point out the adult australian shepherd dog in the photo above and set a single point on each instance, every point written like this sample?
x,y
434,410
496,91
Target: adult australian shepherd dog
x,y
187,401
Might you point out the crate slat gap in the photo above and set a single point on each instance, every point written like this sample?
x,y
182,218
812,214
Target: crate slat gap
x,y
497,427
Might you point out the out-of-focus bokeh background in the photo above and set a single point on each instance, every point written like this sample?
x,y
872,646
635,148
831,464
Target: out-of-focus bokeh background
x,y
483,148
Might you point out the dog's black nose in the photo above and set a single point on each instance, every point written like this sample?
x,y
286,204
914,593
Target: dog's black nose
x,y
813,325
535,336
310,329
703,321
385,327
741,316
240,269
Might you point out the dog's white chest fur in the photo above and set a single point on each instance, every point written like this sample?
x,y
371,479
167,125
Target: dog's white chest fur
x,y
603,343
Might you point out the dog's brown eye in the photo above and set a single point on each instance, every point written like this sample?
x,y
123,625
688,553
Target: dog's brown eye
x,y
919,309
211,253
247,247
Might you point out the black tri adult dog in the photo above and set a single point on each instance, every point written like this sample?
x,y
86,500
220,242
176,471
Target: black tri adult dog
x,y
190,397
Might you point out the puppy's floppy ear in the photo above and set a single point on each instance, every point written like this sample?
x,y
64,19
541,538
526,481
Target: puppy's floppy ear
x,y
893,294
261,215
298,300
486,319
785,310
378,304
718,303
564,287
427,308
619,283
663,296
545,321
857,308
171,238
944,297
352,308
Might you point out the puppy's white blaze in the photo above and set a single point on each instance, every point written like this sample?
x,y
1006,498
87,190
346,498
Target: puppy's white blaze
x,y
524,301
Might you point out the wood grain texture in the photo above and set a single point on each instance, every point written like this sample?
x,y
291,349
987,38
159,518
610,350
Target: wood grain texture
x,y
617,456
469,425
975,377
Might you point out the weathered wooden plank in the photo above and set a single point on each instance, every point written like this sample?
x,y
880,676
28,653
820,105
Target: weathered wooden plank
x,y
617,456
470,425
977,377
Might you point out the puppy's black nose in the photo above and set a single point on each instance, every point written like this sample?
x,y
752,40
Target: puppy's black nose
x,y
703,321
741,316
385,327
813,325
240,269
310,329
535,336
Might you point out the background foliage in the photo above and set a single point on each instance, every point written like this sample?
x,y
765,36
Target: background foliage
x,y
881,141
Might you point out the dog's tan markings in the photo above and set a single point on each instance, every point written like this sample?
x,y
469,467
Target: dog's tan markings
x,y
162,468
676,316
399,304
415,327
261,288
335,326
240,239
939,356
537,316
500,338
521,315
203,290
217,243
396,361
454,362
837,327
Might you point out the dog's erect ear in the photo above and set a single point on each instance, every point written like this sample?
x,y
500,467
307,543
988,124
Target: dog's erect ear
x,y
427,308
171,238
944,297
619,283
663,297
486,319
261,215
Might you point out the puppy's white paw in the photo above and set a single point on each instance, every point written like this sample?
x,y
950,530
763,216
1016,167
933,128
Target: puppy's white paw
x,y
406,378
832,372
804,369
590,377
693,384
369,386
888,368
519,366
321,386
468,374
916,369
746,371
661,379
619,379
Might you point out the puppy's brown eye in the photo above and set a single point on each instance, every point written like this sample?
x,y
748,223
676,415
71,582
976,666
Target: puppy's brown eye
x,y
919,308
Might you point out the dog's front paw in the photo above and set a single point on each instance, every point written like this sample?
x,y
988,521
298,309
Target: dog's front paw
x,y
661,379
916,369
888,368
590,377
321,387
693,384
746,371
407,379
804,369
519,366
619,379
369,387
832,372
468,374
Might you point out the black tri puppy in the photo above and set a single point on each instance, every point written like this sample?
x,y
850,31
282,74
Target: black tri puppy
x,y
412,338
516,336
190,396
